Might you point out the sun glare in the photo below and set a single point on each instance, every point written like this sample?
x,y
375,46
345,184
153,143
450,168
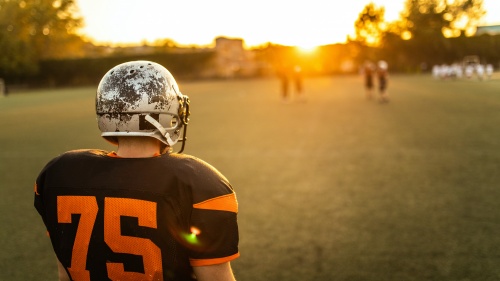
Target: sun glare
x,y
307,49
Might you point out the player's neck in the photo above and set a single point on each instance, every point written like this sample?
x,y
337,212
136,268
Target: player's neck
x,y
138,147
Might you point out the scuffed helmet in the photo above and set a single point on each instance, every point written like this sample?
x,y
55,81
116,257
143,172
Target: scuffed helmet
x,y
141,98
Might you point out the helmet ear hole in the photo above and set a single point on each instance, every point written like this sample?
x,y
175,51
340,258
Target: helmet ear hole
x,y
174,122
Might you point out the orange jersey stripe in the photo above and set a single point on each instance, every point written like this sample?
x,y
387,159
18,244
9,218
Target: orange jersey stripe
x,y
113,154
205,262
36,189
222,203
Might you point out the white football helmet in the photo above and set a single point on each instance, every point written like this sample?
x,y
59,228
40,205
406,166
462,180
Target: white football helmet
x,y
141,98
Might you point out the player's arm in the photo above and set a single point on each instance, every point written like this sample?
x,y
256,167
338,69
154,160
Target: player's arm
x,y
219,272
63,275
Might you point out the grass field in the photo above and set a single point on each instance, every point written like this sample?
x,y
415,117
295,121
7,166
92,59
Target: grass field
x,y
337,188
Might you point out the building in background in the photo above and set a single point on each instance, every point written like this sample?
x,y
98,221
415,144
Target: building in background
x,y
232,60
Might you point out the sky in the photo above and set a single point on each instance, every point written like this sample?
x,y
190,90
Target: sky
x,y
301,23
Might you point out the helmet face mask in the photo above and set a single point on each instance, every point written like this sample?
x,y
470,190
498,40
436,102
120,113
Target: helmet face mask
x,y
141,98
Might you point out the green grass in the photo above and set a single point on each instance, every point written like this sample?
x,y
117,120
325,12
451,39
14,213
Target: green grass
x,y
337,188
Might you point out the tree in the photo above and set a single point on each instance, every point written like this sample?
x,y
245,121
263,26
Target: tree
x,y
431,18
422,34
34,30
370,25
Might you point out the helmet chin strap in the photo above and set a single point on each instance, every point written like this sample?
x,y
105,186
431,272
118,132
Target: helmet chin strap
x,y
160,128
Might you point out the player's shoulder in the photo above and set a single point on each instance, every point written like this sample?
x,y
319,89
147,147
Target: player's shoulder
x,y
76,155
70,159
187,161
81,153
182,170
196,169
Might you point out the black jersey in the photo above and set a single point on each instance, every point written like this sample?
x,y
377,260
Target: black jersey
x,y
368,77
382,79
113,218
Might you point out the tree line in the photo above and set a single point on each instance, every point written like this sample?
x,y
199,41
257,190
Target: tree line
x,y
40,45
428,32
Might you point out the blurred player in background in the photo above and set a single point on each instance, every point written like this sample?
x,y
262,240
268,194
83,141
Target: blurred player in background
x,y
3,88
368,71
284,77
142,212
382,75
480,71
299,83
289,73
489,70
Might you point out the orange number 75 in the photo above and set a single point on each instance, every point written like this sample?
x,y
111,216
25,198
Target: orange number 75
x,y
114,208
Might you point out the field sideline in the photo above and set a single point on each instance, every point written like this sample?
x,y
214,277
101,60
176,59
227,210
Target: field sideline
x,y
336,188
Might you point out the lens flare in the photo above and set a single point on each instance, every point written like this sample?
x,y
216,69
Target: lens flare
x,y
195,231
192,238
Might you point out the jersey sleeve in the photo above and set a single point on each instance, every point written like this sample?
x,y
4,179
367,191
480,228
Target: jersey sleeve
x,y
214,226
215,229
39,191
38,199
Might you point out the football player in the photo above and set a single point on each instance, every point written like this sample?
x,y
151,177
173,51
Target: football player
x,y
142,212
382,75
368,70
489,70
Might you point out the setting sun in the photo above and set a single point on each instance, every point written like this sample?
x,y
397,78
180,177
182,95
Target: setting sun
x,y
307,49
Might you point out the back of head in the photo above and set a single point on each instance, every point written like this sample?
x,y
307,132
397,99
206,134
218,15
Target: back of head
x,y
383,65
141,98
